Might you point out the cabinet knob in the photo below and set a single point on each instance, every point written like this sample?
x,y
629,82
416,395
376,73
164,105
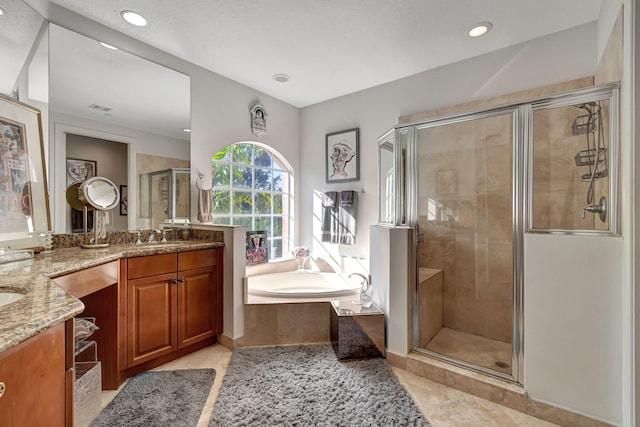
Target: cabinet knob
x,y
2,388
174,282
181,280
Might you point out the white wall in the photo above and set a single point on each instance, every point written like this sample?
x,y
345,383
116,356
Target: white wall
x,y
220,116
573,323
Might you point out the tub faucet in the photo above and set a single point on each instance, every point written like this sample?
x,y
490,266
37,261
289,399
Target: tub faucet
x,y
365,280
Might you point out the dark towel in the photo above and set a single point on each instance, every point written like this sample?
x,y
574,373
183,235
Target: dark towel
x,y
346,198
330,226
347,218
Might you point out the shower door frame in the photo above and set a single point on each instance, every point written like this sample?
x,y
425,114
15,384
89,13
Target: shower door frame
x,y
522,199
518,120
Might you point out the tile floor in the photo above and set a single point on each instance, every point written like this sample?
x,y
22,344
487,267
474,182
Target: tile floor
x,y
441,405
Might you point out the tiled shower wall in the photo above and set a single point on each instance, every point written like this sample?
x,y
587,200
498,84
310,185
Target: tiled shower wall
x,y
559,193
465,213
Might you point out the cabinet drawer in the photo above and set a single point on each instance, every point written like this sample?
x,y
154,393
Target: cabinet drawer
x,y
196,259
151,265
90,280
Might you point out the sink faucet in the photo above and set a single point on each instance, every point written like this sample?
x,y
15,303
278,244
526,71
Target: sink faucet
x,y
152,236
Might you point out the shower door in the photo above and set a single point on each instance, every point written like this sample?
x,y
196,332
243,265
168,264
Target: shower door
x,y
466,251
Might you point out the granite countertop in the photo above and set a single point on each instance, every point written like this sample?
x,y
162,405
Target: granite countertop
x,y
45,304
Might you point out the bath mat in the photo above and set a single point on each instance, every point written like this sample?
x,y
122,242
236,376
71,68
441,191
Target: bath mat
x,y
160,398
305,385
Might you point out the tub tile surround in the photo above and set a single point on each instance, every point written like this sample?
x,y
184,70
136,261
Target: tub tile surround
x,y
491,389
294,323
46,304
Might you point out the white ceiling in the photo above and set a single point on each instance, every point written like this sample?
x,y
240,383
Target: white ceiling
x,y
332,48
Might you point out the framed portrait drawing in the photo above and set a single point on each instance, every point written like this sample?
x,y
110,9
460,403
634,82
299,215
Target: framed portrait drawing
x,y
256,246
79,170
124,200
343,156
24,207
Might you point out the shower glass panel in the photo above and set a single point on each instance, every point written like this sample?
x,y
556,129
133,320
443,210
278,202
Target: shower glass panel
x,y
387,183
465,254
573,165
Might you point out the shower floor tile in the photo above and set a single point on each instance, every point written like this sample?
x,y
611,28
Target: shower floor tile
x,y
487,352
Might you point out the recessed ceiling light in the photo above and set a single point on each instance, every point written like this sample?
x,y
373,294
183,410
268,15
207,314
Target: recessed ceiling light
x,y
108,46
133,18
1,11
187,130
281,78
480,29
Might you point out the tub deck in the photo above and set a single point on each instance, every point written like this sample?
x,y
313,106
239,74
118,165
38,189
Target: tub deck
x,y
299,287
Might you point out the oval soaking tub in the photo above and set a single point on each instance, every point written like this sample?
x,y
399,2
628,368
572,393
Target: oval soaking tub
x,y
302,284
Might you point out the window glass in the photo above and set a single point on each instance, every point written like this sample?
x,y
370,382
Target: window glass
x,y
253,187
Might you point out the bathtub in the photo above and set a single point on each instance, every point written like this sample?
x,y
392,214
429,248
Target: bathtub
x,y
301,285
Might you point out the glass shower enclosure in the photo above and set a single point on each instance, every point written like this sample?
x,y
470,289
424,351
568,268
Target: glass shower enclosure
x,y
470,186
165,195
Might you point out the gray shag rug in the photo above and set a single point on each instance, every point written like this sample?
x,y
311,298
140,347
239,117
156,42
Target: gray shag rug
x,y
306,385
159,398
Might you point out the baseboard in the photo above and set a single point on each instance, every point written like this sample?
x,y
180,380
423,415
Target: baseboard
x,y
227,342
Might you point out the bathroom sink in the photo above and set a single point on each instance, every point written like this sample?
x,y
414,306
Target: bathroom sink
x,y
7,297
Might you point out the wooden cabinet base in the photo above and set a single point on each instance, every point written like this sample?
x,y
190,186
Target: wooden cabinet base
x,y
35,379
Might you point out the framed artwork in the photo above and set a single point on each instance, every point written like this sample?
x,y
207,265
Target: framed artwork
x,y
124,200
79,170
343,156
256,245
24,207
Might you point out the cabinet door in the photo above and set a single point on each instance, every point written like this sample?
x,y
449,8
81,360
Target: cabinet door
x,y
151,318
197,302
34,376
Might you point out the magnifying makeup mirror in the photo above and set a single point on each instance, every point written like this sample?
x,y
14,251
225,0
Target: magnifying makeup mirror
x,y
100,194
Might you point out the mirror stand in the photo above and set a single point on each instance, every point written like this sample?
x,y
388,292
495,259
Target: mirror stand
x,y
98,230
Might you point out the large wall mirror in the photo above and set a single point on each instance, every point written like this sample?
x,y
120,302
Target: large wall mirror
x,y
105,112
110,109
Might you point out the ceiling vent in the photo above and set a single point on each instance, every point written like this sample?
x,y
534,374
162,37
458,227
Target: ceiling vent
x,y
100,108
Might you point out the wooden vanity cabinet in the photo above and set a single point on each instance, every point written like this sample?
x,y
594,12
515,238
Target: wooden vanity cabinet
x,y
173,301
34,381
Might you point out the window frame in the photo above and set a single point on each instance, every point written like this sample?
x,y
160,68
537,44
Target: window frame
x,y
278,245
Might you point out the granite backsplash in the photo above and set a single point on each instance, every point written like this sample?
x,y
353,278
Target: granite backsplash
x,y
122,237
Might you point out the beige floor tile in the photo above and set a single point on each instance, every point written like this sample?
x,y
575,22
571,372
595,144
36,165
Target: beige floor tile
x,y
447,407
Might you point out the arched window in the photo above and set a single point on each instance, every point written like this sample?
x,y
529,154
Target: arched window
x,y
253,186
